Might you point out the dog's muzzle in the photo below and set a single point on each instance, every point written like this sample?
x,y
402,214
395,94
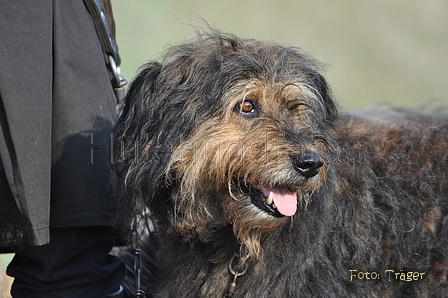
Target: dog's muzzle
x,y
280,201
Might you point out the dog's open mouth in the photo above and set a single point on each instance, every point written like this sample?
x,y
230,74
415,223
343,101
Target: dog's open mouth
x,y
276,202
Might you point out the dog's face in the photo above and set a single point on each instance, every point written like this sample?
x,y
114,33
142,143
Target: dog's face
x,y
227,131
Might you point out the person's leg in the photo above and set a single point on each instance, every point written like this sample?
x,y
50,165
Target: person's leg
x,y
76,264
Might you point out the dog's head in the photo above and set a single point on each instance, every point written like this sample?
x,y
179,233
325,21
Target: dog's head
x,y
225,131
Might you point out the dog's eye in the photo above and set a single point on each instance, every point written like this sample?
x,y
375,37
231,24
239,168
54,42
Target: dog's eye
x,y
246,107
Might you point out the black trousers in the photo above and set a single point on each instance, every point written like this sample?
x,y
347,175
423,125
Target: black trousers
x,y
75,264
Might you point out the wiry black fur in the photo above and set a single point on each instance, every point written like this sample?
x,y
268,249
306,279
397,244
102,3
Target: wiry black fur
x,y
383,205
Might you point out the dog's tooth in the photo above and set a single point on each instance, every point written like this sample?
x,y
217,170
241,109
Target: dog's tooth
x,y
270,198
273,206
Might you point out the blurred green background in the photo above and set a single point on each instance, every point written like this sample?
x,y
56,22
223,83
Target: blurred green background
x,y
393,51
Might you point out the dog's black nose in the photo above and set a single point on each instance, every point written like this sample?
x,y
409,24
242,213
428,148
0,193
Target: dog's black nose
x,y
308,164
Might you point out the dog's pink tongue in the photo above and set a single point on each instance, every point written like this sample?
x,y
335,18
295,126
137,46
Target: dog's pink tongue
x,y
285,201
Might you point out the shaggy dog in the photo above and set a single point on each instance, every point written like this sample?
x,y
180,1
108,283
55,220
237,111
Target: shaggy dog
x,y
258,187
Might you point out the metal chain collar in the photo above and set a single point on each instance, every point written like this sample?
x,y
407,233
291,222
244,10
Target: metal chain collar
x,y
139,293
235,273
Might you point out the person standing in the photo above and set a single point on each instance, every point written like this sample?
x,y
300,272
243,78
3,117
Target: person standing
x,y
57,112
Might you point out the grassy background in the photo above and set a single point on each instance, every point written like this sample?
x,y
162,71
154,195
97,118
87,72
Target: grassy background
x,y
376,51
4,260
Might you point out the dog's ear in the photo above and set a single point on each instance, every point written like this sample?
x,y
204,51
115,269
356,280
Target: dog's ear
x,y
135,181
325,93
140,90
133,116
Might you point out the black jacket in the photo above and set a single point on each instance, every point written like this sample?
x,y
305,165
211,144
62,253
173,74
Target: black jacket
x,y
57,110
